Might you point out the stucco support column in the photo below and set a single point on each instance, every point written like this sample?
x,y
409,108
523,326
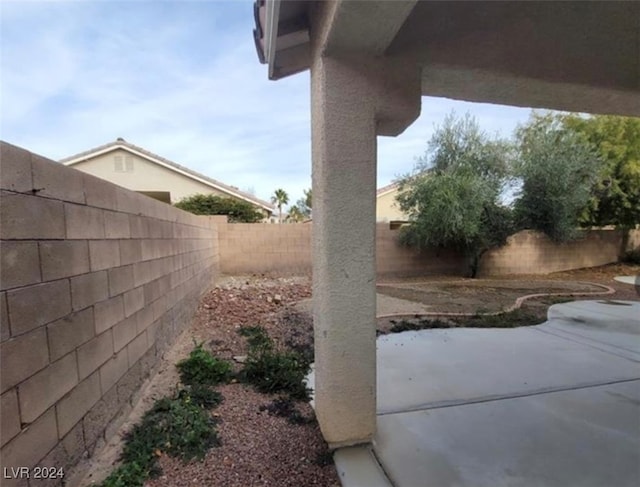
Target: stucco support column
x,y
347,112
344,186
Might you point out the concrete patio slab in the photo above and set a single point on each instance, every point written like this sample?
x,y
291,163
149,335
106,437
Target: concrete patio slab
x,y
584,437
556,404
608,325
634,280
437,367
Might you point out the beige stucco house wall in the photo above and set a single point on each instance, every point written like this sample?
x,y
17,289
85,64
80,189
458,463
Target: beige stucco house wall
x,y
387,208
142,171
143,176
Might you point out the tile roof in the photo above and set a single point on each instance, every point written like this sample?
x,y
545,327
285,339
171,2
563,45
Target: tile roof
x,y
386,189
120,143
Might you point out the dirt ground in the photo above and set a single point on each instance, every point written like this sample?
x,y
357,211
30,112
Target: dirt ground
x,y
262,450
446,294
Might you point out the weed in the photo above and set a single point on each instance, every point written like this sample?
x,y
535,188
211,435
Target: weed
x,y
201,367
272,370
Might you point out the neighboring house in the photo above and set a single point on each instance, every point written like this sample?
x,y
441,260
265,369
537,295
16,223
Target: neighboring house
x,y
144,172
387,208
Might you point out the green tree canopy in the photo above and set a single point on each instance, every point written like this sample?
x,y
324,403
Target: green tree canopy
x,y
208,204
615,198
558,168
452,197
460,145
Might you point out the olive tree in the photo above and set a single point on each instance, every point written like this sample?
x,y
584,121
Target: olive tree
x,y
452,198
558,169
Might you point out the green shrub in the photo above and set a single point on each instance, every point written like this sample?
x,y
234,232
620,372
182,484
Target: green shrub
x,y
237,211
201,367
272,370
256,336
179,426
204,396
127,475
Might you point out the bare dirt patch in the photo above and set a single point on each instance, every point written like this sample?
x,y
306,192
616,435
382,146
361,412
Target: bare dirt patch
x,y
448,294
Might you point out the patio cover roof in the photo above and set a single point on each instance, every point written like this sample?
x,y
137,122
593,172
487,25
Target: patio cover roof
x,y
572,55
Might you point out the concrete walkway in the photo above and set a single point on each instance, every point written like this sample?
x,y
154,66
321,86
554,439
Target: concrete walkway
x,y
556,404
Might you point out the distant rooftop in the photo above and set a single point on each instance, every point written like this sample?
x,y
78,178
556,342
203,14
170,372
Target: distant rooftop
x,y
121,143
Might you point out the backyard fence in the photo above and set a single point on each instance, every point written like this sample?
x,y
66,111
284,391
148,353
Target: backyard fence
x,y
276,250
96,283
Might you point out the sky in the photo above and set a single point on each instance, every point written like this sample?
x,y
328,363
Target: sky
x,y
180,79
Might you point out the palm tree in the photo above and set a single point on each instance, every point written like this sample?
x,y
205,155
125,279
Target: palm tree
x,y
295,215
280,198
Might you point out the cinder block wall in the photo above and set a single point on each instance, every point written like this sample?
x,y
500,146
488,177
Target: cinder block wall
x,y
395,260
252,248
263,248
96,281
249,248
529,252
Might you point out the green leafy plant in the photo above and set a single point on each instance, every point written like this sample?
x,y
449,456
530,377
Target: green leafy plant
x,y
270,369
256,336
204,396
201,367
179,426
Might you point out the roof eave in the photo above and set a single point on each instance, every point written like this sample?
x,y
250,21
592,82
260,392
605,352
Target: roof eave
x,y
282,37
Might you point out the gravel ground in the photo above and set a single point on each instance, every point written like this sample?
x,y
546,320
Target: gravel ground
x,y
258,449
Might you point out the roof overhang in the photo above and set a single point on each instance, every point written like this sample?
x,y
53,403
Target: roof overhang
x,y
282,36
571,55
